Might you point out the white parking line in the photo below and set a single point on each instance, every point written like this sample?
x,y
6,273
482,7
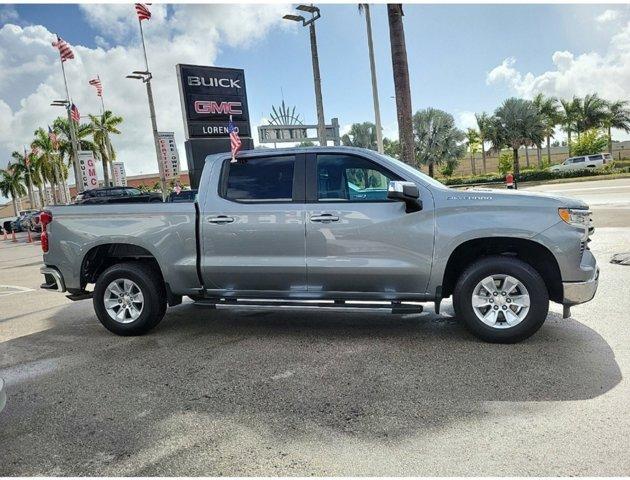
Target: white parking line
x,y
6,290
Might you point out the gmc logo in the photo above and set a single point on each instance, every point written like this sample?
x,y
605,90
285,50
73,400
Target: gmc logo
x,y
215,108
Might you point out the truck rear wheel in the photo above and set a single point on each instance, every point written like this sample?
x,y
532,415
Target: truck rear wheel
x,y
501,299
130,298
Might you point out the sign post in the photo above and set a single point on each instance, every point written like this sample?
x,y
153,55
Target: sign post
x,y
118,174
209,96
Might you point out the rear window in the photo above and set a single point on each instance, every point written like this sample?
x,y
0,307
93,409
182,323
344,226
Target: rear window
x,y
595,157
266,179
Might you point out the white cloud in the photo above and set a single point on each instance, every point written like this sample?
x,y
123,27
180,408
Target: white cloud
x,y
30,75
608,16
8,13
607,74
465,120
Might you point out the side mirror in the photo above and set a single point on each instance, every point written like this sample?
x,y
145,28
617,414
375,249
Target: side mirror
x,y
407,192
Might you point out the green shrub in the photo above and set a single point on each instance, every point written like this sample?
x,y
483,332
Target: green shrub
x,y
505,163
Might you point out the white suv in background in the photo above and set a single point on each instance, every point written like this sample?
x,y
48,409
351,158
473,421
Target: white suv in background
x,y
586,161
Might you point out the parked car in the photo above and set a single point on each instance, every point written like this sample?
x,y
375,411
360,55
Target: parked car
x,y
183,196
116,195
279,228
20,224
585,161
6,225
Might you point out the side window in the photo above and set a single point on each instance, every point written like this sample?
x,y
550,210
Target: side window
x,y
132,192
578,160
347,178
266,179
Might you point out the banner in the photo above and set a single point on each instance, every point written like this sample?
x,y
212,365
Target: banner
x,y
87,167
120,176
169,158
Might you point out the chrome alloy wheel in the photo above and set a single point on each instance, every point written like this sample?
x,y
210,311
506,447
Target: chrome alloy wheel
x,y
123,300
500,301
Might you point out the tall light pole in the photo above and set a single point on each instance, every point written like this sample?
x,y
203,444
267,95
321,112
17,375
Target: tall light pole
x,y
377,110
146,76
314,11
78,183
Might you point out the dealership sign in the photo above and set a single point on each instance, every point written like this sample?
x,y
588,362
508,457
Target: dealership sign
x,y
210,95
87,167
120,176
169,158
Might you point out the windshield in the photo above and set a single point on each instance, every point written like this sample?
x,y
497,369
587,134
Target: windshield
x,y
415,172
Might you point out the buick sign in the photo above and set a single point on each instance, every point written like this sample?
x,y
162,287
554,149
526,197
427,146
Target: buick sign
x,y
209,96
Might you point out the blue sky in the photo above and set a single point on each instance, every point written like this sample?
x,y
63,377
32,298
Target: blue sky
x,y
450,48
462,58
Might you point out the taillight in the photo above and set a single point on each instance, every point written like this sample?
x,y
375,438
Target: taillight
x,y
44,240
45,218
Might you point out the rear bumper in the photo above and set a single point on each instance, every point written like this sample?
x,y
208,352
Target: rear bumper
x,y
580,292
53,280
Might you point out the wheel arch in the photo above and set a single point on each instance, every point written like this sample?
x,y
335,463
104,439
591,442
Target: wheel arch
x,y
534,253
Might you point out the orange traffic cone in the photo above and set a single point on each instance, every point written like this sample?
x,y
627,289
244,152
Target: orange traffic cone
x,y
13,236
29,239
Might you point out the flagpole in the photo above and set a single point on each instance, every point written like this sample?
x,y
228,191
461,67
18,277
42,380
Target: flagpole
x,y
27,162
152,114
73,138
110,150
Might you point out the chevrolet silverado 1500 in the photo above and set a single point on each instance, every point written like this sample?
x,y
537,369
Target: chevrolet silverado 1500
x,y
326,227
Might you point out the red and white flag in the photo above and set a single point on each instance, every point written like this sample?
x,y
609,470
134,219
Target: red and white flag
x,y
65,52
53,138
96,82
74,113
235,140
142,11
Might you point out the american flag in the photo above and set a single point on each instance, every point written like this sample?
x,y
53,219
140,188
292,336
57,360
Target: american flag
x,y
53,138
74,113
142,11
65,52
96,82
235,140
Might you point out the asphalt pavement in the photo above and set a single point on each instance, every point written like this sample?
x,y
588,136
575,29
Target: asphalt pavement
x,y
285,393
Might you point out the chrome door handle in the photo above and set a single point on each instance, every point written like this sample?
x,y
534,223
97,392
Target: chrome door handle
x,y
324,217
221,219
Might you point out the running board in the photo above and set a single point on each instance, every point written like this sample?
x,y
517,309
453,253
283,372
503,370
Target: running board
x,y
332,305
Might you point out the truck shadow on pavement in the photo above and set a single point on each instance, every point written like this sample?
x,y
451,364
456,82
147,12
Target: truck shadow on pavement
x,y
108,405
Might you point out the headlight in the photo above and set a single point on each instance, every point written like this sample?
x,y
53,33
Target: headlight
x,y
576,217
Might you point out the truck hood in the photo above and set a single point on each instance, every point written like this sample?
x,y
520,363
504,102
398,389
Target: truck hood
x,y
523,197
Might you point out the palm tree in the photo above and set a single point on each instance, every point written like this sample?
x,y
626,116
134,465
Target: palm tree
x,y
23,163
617,116
365,7
472,140
591,113
83,132
401,82
361,135
548,110
569,117
50,163
520,125
11,185
102,127
437,140
484,125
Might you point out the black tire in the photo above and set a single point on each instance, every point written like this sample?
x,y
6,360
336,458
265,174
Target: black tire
x,y
150,283
500,265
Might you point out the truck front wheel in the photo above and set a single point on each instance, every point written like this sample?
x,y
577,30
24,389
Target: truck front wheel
x,y
501,299
129,298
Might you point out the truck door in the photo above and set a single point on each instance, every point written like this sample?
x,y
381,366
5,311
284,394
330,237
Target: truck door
x,y
356,239
252,228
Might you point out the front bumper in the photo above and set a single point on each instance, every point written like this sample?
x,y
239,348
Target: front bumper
x,y
580,292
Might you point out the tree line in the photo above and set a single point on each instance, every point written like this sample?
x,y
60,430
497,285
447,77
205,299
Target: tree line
x,y
51,153
588,122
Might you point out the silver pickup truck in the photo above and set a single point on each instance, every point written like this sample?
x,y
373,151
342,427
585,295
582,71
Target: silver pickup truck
x,y
326,227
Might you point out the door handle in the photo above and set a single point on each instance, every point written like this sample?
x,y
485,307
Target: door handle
x,y
221,219
324,217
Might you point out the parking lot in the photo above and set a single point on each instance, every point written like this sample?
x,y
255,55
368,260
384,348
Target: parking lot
x,y
285,393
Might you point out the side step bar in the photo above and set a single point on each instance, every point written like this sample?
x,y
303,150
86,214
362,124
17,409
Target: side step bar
x,y
332,305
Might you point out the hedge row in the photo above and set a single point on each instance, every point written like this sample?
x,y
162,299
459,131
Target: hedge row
x,y
529,176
